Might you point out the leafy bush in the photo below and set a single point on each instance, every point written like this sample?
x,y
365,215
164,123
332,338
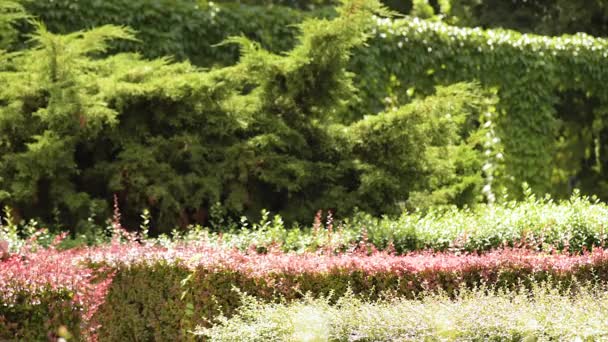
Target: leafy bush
x,y
10,13
47,293
546,121
541,17
538,224
542,315
183,29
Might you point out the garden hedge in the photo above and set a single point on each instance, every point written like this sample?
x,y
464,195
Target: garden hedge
x,y
158,293
183,29
46,294
149,300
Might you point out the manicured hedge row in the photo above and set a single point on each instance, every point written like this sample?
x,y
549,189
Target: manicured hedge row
x,y
543,315
159,293
163,294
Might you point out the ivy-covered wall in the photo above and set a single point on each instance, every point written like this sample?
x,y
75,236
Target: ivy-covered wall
x,y
183,29
551,89
549,17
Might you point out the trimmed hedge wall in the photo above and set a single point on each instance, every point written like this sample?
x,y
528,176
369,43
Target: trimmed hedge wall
x,y
48,293
40,320
159,293
163,301
184,29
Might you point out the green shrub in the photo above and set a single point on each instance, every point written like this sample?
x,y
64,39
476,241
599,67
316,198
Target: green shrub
x,y
540,315
183,29
540,224
145,304
78,126
11,12
51,316
546,121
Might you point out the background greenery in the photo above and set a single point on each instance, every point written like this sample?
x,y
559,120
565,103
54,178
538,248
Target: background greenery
x,y
283,125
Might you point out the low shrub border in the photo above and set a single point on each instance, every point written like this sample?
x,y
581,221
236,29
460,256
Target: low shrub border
x,y
540,315
541,224
163,293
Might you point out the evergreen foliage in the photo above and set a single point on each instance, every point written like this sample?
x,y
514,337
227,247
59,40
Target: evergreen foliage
x,y
550,17
551,105
268,132
190,31
10,12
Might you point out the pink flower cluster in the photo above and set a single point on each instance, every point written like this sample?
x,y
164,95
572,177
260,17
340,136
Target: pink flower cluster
x,y
35,278
207,256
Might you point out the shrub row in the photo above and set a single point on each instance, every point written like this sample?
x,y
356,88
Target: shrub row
x,y
544,315
540,224
163,293
163,300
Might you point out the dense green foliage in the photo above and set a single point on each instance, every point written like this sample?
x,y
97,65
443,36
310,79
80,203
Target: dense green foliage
x,y
39,321
542,315
539,224
550,89
10,13
189,113
191,31
266,132
551,17
552,145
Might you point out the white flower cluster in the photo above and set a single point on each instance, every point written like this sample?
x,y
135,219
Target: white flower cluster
x,y
493,158
387,28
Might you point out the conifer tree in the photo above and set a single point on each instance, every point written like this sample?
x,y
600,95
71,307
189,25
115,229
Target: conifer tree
x,y
78,126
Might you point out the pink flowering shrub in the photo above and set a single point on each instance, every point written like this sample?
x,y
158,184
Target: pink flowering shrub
x,y
162,294
42,291
158,293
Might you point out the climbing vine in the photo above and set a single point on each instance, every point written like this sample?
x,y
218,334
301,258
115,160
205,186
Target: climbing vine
x,y
532,73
